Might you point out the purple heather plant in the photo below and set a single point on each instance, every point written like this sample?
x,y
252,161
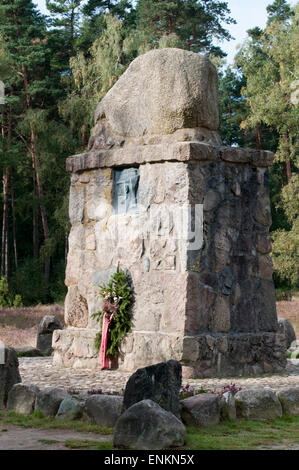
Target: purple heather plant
x,y
71,391
231,388
95,392
187,391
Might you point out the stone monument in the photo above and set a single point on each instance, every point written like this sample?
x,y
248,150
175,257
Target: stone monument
x,y
203,292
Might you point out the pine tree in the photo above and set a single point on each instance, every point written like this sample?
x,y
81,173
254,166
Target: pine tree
x,y
269,62
94,24
33,90
66,19
196,23
279,10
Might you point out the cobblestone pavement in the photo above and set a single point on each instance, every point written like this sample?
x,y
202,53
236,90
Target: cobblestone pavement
x,y
41,372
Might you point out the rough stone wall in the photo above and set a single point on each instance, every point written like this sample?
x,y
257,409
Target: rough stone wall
x,y
234,329
213,309
157,267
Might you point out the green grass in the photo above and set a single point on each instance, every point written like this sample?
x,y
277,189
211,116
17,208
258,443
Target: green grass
x,y
244,435
236,435
88,445
48,441
37,420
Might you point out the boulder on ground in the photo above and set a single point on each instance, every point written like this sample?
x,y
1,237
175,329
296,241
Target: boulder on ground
x,y
48,324
22,397
104,409
287,329
228,407
71,407
159,382
201,410
257,405
289,399
147,426
9,373
48,400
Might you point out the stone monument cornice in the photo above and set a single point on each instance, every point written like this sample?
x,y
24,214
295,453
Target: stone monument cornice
x,y
173,152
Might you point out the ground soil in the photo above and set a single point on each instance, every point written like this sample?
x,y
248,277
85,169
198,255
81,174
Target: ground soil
x,y
18,326
19,438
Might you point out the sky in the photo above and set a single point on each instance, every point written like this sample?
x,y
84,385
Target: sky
x,y
247,13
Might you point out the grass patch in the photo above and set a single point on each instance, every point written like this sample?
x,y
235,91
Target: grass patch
x,y
37,420
88,445
48,441
244,435
235,435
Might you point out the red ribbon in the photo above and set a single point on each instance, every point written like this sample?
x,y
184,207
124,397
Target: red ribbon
x,y
105,329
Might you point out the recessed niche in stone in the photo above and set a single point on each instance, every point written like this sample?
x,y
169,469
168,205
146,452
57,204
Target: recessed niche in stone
x,y
125,190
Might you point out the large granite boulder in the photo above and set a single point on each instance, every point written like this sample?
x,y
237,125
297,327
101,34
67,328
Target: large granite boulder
x,y
159,382
9,374
257,405
22,398
49,399
48,324
201,410
104,409
160,92
286,328
289,399
147,426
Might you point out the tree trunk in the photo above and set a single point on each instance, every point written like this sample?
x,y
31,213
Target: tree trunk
x,y
5,182
14,232
40,194
35,234
39,186
287,157
4,247
258,138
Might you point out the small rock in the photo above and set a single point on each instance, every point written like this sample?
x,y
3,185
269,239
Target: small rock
x,y
22,397
201,410
159,382
48,324
257,405
286,328
48,400
289,399
9,374
228,407
147,426
104,409
71,407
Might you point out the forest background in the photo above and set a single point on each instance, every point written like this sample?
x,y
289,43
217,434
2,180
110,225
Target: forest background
x,y
56,68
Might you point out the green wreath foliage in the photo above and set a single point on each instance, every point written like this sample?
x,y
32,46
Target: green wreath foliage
x,y
118,300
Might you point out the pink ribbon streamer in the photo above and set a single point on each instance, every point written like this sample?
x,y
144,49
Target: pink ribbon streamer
x,y
105,329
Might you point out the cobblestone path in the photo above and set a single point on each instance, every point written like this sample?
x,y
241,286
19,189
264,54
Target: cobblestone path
x,y
41,372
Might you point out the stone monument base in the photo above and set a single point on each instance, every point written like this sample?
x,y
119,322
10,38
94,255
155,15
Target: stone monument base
x,y
201,356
